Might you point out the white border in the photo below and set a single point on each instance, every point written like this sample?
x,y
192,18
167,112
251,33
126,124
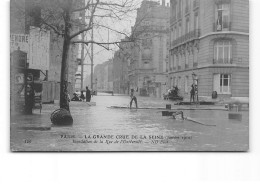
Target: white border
x,y
159,168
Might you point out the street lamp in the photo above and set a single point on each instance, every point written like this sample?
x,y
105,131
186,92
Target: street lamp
x,y
195,78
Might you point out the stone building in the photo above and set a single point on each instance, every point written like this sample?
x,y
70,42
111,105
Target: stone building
x,y
103,77
210,39
120,68
147,66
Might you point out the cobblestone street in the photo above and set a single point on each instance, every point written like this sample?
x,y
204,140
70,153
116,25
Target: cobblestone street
x,y
154,131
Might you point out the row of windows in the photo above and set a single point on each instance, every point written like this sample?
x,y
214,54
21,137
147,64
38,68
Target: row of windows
x,y
222,20
177,59
223,51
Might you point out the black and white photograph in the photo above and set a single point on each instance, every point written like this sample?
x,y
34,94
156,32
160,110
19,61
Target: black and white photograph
x,y
129,75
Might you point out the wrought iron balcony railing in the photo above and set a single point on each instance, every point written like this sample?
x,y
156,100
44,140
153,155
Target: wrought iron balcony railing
x,y
223,61
218,27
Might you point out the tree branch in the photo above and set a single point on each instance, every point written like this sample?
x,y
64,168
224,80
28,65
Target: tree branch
x,y
90,25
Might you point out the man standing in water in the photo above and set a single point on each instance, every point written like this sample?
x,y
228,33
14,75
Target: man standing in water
x,y
88,95
133,98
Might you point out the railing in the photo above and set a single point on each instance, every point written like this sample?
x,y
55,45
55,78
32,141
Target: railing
x,y
223,61
217,27
195,34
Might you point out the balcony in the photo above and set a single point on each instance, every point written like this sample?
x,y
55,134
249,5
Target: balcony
x,y
223,61
219,28
195,34
195,4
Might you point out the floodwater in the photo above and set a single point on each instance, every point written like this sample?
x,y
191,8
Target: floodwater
x,y
99,128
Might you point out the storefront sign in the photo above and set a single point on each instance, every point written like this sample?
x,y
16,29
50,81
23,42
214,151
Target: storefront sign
x,y
20,41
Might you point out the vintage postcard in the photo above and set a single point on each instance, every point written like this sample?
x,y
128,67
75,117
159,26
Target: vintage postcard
x,y
129,75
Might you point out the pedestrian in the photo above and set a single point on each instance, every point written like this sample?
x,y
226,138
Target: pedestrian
x,y
82,97
68,97
192,93
133,98
88,95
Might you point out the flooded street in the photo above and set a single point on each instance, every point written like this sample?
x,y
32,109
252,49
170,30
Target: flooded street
x,y
101,128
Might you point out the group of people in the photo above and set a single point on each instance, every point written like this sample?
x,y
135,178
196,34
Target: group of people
x,y
82,97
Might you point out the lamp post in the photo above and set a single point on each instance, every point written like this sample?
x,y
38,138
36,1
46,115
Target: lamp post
x,y
195,83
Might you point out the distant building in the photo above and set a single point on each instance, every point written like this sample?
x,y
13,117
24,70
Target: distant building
x,y
103,76
120,68
210,38
149,55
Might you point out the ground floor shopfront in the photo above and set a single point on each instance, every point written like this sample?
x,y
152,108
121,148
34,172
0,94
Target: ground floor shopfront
x,y
227,81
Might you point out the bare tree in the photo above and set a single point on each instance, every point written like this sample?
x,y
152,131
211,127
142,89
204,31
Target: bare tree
x,y
63,18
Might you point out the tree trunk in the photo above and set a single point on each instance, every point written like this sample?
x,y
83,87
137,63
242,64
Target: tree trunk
x,y
64,101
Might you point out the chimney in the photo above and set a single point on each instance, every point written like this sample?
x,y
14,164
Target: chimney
x,y
163,2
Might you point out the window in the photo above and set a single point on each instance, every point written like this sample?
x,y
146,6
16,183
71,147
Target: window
x,y
179,60
179,30
175,61
187,26
222,83
223,52
179,82
180,7
222,17
172,34
187,59
175,33
170,63
196,21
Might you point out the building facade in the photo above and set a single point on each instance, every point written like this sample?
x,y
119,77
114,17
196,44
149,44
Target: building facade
x,y
103,77
120,68
210,39
147,66
44,52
